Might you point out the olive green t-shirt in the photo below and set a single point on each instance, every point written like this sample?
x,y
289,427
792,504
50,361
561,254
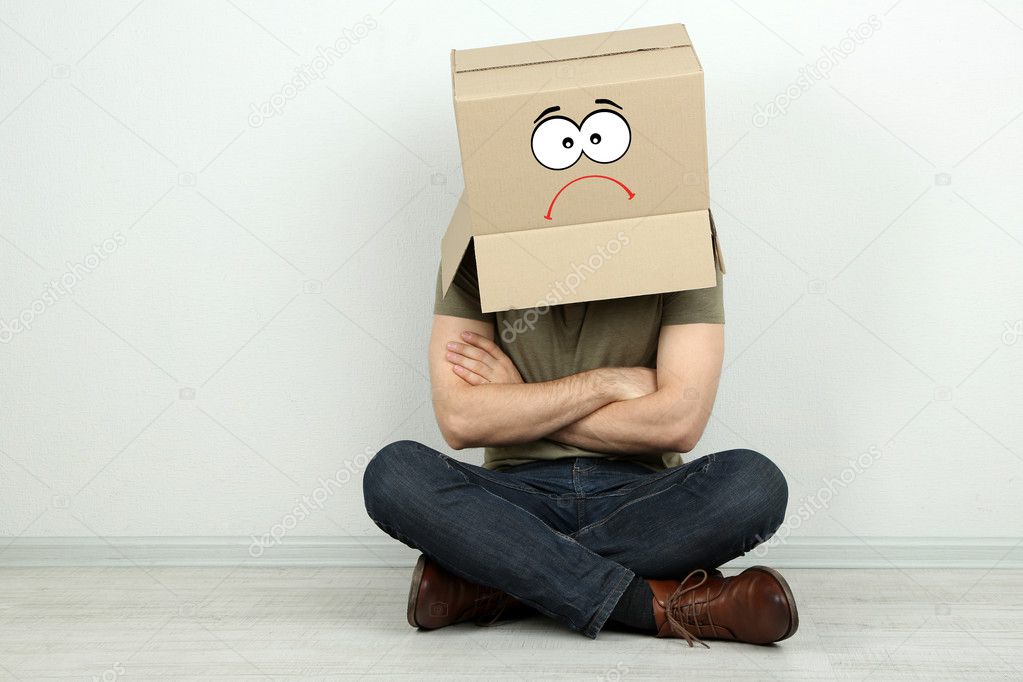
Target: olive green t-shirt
x,y
559,340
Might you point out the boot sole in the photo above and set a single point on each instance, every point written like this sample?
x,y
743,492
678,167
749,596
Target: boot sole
x,y
413,592
793,613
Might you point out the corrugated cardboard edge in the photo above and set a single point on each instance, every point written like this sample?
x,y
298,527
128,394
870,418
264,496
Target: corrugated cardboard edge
x,y
456,237
719,259
452,58
684,41
454,243
572,59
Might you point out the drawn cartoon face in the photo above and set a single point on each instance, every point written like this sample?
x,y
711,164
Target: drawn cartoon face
x,y
603,136
558,142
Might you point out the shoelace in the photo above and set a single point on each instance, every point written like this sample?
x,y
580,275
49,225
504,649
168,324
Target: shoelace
x,y
481,605
677,613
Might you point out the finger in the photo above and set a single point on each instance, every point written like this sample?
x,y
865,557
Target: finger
x,y
499,357
483,369
483,342
468,376
472,352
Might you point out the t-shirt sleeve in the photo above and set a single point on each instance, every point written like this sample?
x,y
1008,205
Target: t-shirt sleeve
x,y
694,306
463,296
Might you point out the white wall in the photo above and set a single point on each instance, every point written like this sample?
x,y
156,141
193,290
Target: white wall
x,y
260,319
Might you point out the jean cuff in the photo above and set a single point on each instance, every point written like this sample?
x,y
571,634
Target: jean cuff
x,y
625,577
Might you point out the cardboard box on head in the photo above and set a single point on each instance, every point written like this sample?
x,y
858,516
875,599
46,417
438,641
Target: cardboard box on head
x,y
585,166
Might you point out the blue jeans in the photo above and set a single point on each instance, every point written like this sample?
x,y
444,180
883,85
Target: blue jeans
x,y
567,536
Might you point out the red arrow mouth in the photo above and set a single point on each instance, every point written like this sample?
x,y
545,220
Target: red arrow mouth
x,y
584,177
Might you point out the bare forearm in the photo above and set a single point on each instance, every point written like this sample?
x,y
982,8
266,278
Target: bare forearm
x,y
659,422
506,414
672,417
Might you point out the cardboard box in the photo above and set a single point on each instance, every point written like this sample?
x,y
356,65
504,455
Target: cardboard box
x,y
585,166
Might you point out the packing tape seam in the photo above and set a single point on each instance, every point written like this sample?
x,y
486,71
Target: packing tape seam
x,y
572,59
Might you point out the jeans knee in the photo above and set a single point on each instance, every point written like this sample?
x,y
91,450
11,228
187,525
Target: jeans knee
x,y
763,480
383,480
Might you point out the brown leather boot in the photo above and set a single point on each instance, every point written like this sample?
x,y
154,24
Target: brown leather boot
x,y
437,598
755,606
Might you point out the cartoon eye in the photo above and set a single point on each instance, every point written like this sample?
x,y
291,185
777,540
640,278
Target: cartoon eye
x,y
606,136
556,143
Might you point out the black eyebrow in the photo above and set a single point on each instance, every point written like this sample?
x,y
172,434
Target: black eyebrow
x,y
606,101
546,111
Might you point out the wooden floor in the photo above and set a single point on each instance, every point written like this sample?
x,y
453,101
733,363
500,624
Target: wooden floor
x,y
133,623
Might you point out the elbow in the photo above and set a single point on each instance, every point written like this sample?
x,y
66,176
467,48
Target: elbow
x,y
684,443
685,436
454,431
459,421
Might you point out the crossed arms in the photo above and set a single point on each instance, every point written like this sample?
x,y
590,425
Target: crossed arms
x,y
480,399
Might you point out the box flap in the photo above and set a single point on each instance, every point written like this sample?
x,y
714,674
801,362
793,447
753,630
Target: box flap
x,y
454,243
594,261
719,260
577,47
536,81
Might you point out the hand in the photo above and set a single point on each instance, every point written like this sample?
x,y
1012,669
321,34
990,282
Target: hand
x,y
480,361
632,382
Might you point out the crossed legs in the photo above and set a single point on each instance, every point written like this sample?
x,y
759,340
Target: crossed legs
x,y
493,529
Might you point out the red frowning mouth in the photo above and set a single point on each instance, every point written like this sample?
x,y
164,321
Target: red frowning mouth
x,y
584,177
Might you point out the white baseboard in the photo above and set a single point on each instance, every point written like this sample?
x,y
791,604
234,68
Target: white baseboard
x,y
805,552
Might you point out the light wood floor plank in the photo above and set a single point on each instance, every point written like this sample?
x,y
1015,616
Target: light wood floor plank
x,y
294,623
